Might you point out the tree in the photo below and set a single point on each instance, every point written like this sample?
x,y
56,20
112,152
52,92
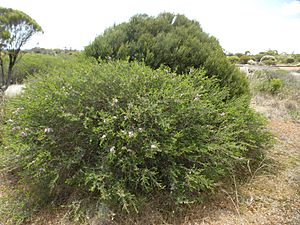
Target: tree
x,y
16,28
247,52
244,59
170,40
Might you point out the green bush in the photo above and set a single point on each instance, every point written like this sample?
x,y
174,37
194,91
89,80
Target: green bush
x,y
275,85
268,60
233,59
124,133
272,86
171,40
272,81
290,60
31,63
244,59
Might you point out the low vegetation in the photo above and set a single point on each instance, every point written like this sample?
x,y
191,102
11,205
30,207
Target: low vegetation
x,y
33,63
270,57
276,93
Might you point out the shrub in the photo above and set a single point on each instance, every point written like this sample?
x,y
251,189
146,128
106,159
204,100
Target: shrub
x,y
273,81
268,60
233,59
290,60
124,132
244,59
275,85
31,63
171,40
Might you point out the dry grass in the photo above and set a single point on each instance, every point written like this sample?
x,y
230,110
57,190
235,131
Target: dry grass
x,y
283,105
279,106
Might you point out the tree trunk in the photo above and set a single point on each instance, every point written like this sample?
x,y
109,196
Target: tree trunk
x,y
9,72
12,60
2,72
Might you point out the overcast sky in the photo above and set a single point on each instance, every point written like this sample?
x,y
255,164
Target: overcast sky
x,y
239,25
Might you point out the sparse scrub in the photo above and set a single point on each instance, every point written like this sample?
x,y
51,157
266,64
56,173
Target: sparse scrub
x,y
276,93
123,133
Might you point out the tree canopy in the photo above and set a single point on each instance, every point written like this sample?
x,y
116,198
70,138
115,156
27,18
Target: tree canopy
x,y
170,40
16,28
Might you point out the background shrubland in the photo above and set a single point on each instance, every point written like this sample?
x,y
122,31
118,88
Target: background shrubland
x,y
276,93
269,58
31,63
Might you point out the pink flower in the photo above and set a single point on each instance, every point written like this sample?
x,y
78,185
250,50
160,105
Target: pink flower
x,y
23,134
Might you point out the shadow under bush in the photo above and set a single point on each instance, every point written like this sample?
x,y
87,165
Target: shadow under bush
x,y
124,133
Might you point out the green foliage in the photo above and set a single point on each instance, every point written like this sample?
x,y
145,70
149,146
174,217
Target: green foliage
x,y
275,85
31,63
16,28
290,60
269,62
273,81
123,132
244,59
233,59
16,207
171,40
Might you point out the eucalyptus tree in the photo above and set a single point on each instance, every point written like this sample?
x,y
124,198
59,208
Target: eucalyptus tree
x,y
16,28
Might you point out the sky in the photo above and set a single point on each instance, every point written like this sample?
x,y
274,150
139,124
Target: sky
x,y
239,25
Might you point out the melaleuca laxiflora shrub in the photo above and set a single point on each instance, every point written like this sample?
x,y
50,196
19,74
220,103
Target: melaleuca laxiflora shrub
x,y
124,132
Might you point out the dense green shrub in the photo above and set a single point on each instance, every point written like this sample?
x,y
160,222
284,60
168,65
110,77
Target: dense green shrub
x,y
289,60
233,59
244,59
268,60
171,40
31,63
124,132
